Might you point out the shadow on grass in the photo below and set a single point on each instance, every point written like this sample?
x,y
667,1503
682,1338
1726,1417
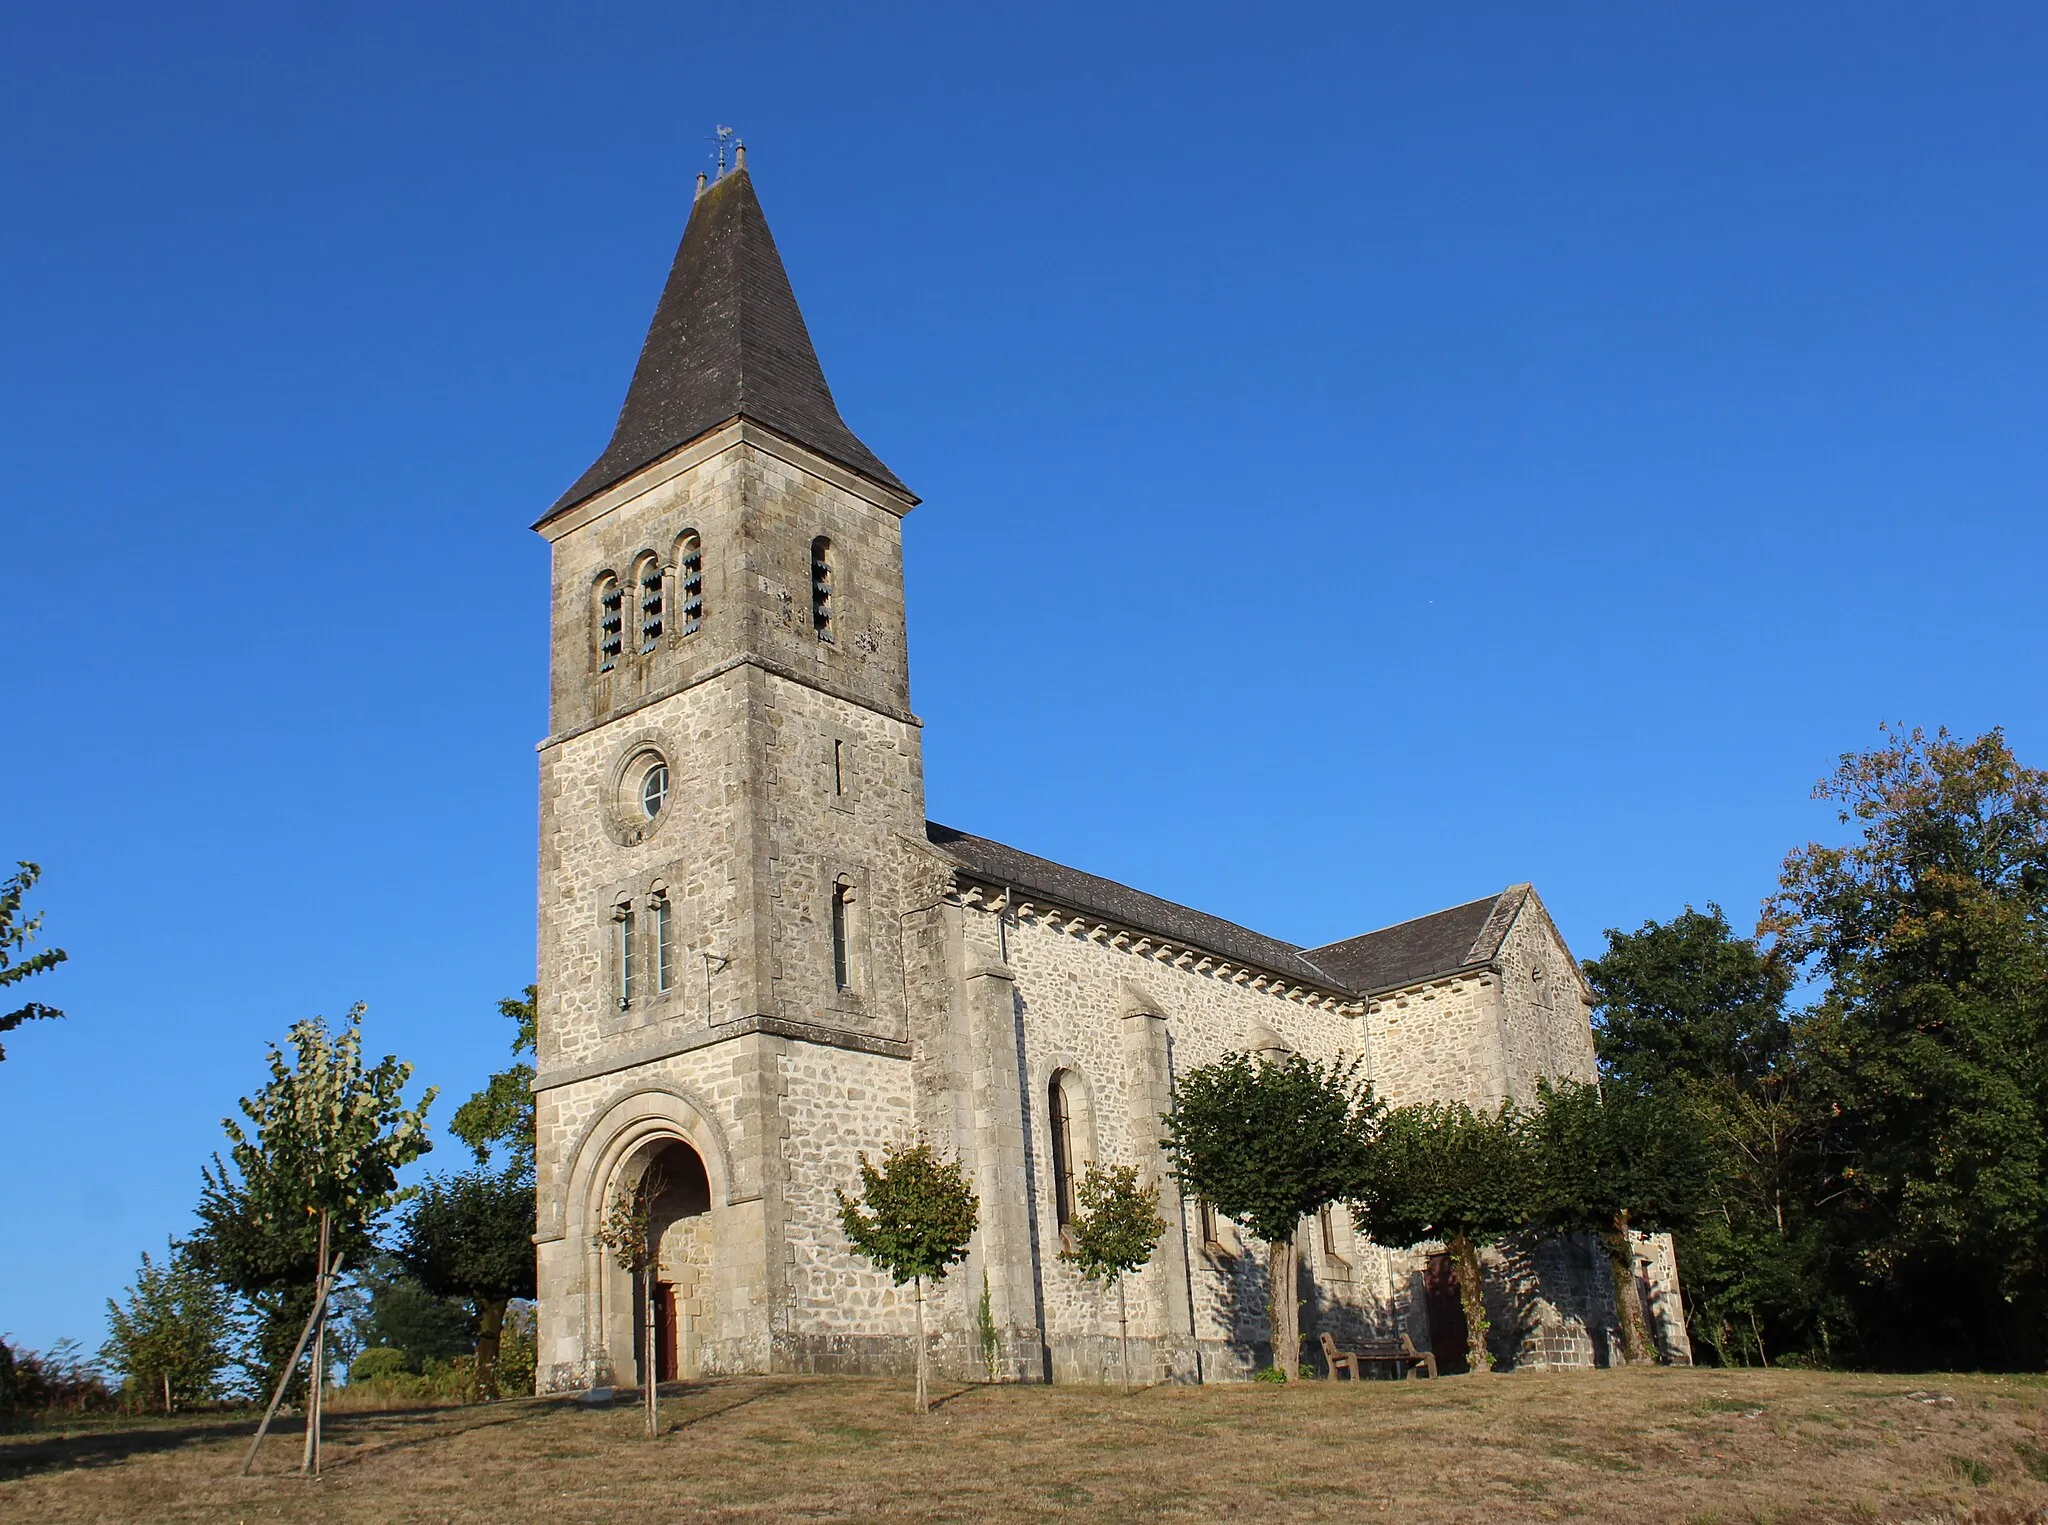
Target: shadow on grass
x,y
106,1448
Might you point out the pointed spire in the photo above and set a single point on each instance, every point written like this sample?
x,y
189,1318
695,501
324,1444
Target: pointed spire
x,y
728,341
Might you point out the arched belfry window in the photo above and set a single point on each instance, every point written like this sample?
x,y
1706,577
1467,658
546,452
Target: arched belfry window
x,y
689,612
647,587
608,610
1059,1111
821,587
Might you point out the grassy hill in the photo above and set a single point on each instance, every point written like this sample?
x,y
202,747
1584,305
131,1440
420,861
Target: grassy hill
x,y
1645,1445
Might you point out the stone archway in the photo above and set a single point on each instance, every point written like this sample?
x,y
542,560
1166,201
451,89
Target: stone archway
x,y
680,1227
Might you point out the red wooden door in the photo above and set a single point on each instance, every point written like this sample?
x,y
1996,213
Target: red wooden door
x,y
664,1332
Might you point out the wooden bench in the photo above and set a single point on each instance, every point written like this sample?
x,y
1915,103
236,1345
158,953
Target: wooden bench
x,y
1401,1354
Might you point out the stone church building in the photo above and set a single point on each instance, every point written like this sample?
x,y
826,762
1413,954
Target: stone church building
x,y
758,957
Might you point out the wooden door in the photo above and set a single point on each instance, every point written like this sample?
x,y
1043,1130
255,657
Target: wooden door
x,y
1448,1335
664,1332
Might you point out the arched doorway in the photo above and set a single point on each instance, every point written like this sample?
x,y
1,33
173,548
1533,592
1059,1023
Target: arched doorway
x,y
679,1224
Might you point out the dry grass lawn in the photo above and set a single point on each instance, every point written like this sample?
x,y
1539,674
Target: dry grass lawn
x,y
1644,1445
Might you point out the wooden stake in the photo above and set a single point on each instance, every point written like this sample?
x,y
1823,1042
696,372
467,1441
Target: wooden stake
x,y
292,1365
309,1459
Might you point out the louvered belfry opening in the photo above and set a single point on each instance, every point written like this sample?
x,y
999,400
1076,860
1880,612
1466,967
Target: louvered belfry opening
x,y
689,583
821,587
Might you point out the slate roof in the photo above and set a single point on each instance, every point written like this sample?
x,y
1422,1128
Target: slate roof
x,y
1463,937
1040,878
727,341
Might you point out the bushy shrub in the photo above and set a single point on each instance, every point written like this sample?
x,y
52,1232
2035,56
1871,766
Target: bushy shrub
x,y
380,1363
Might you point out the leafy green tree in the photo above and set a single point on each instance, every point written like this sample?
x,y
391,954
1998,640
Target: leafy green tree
x,y
325,1135
1608,1164
501,1113
173,1341
913,1218
384,1308
471,1236
1688,1002
1929,930
16,937
1268,1143
1114,1231
1464,1178
1692,1012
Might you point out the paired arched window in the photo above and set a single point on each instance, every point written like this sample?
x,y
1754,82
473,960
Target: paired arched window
x,y
609,616
689,582
643,949
821,587
647,586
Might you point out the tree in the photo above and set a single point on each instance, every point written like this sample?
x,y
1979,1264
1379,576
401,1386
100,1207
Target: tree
x,y
324,1136
16,936
1930,1042
1267,1144
1688,1002
1464,1178
1611,1163
471,1236
502,1112
174,1336
913,1218
628,1231
1693,1013
1114,1233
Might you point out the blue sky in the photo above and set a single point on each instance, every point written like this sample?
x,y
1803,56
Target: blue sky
x,y
1371,454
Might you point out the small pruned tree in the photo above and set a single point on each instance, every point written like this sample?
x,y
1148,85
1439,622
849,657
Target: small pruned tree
x,y
629,1232
1268,1143
172,1340
1445,1172
327,1136
913,1218
471,1236
1113,1234
16,937
1609,1163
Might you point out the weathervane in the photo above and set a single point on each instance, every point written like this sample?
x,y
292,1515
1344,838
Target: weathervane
x,y
726,138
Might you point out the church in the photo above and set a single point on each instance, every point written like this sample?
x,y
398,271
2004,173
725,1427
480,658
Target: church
x,y
758,957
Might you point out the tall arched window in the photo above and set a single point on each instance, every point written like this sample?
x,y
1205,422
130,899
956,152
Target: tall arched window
x,y
626,953
842,934
664,960
647,585
689,583
821,587
609,616
1059,1112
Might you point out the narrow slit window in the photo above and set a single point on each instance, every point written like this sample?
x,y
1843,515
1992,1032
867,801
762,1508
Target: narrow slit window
x,y
1060,1112
664,946
821,587
611,622
1328,1222
1205,1217
626,953
838,768
689,582
649,581
842,965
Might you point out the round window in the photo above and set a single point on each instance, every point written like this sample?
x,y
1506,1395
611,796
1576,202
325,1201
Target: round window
x,y
654,789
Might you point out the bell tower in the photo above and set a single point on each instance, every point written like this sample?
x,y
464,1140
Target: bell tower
x,y
731,821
